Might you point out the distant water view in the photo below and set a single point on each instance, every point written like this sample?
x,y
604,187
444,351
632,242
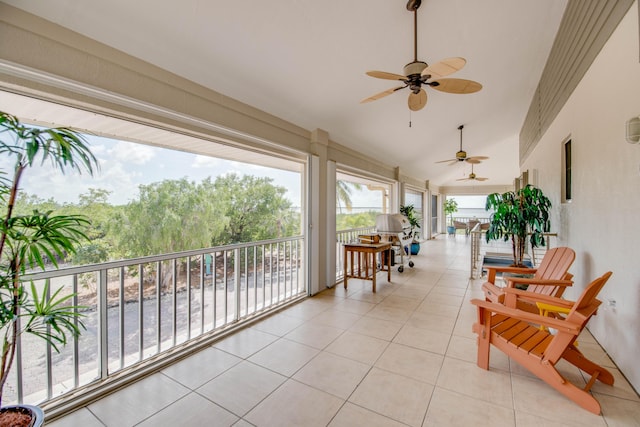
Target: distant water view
x,y
471,212
462,212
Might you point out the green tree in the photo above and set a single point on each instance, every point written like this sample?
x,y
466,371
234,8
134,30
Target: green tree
x,y
27,203
169,216
94,203
254,209
359,220
177,215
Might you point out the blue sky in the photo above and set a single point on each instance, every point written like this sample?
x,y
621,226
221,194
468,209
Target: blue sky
x,y
124,166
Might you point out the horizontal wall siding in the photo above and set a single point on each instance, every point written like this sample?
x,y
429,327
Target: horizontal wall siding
x,y
585,28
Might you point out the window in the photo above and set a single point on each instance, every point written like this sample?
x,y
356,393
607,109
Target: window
x,y
359,201
412,197
566,176
434,213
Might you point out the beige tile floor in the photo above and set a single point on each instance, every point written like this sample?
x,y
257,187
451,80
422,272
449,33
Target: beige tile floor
x,y
404,356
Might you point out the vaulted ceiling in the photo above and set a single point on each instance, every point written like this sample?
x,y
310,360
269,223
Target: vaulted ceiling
x,y
305,61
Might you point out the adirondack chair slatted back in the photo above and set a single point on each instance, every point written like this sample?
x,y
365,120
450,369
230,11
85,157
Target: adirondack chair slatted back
x,y
589,295
584,307
554,266
555,263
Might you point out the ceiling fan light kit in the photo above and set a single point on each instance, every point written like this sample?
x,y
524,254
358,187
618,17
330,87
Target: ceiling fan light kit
x,y
419,73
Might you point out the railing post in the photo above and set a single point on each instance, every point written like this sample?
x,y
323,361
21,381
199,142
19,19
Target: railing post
x,y
158,305
236,280
471,256
174,285
121,316
103,344
140,312
76,344
47,297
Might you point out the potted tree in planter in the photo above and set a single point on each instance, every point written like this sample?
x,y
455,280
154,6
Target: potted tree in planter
x,y
26,241
410,212
450,207
516,215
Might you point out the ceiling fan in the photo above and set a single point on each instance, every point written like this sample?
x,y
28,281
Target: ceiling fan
x,y
418,73
472,177
461,156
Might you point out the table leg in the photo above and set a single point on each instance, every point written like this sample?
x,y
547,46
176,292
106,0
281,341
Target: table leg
x,y
389,265
374,272
346,266
366,265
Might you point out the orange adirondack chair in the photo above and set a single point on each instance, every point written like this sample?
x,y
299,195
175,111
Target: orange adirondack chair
x,y
550,278
515,332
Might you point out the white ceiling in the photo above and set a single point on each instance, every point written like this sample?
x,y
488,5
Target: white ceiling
x,y
305,61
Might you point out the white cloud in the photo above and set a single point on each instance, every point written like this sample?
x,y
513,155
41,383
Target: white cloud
x,y
205,162
133,153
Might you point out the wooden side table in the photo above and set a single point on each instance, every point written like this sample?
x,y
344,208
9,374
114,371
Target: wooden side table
x,y
367,267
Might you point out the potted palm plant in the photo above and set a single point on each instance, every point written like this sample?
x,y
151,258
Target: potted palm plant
x,y
409,211
27,242
450,207
516,215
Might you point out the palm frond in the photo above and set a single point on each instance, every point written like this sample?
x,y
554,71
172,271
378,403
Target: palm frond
x,y
52,319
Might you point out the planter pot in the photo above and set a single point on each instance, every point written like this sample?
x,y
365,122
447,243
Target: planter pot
x,y
37,415
415,248
451,229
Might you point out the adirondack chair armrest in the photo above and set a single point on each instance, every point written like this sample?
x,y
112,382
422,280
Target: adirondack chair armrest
x,y
511,294
513,281
491,271
549,322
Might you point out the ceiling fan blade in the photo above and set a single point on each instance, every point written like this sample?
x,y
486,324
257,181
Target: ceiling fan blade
x,y
417,101
381,94
463,179
481,179
386,76
444,67
459,86
476,159
453,161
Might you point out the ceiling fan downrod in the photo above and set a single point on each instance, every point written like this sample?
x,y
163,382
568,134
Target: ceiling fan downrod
x,y
412,6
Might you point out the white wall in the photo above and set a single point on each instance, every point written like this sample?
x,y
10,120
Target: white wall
x,y
602,222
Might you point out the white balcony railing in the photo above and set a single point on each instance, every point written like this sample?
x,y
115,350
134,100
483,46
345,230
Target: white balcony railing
x,y
480,248
139,309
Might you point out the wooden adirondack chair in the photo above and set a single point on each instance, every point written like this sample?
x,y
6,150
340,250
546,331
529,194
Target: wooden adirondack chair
x,y
550,278
516,333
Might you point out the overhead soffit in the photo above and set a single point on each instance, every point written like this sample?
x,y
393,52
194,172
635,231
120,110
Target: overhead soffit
x,y
40,112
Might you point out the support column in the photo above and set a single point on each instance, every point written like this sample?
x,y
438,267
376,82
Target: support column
x,y
322,208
